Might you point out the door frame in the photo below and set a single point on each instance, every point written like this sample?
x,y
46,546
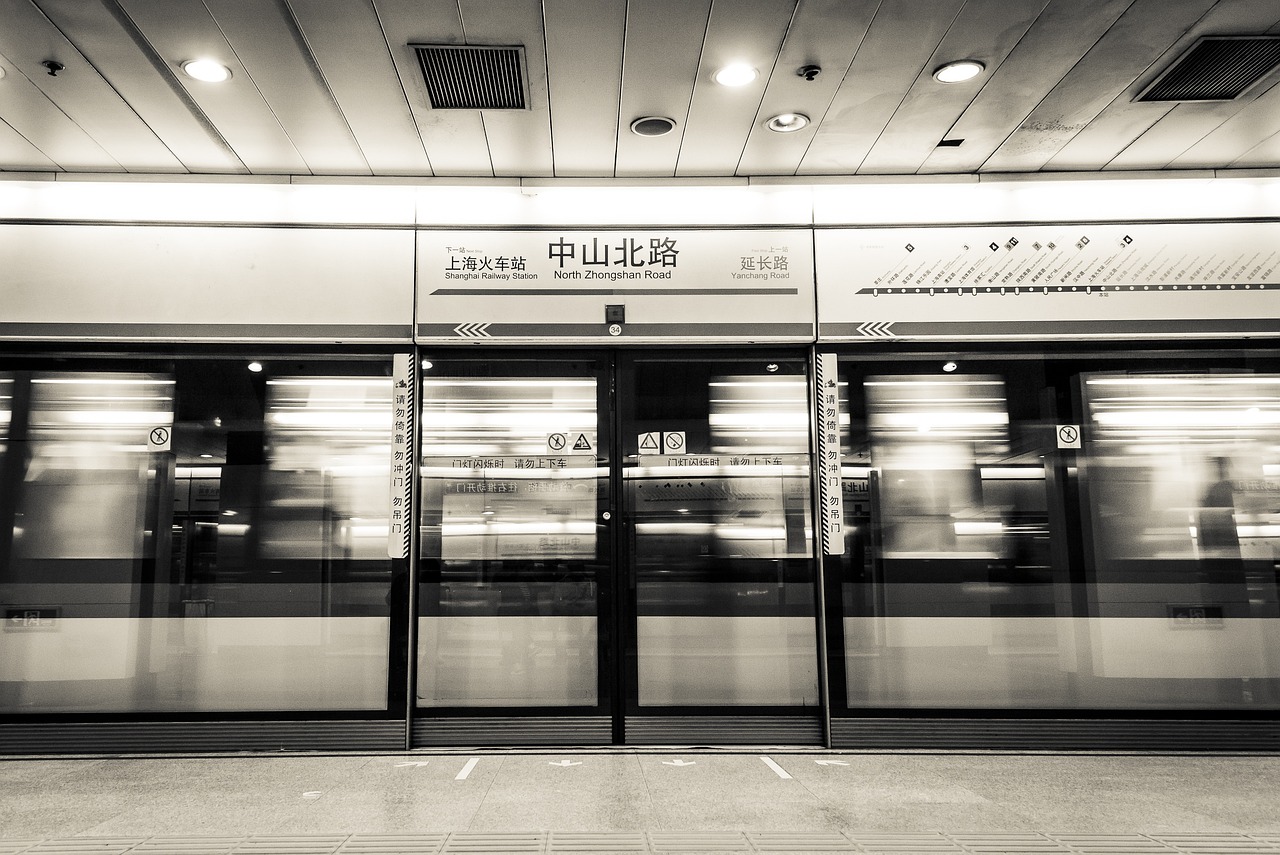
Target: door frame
x,y
608,724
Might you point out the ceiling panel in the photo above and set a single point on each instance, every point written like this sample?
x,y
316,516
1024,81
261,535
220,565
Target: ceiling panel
x,y
14,147
1132,134
146,82
30,113
1248,140
183,29
720,117
519,141
364,82
897,48
660,64
584,79
332,87
454,139
1064,30
272,50
28,38
1127,49
825,33
985,30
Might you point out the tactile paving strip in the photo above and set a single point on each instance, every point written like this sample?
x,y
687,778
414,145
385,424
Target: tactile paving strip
x,y
660,843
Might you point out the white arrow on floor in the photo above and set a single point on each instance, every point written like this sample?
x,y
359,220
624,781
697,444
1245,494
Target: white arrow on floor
x,y
679,762
414,763
566,763
831,762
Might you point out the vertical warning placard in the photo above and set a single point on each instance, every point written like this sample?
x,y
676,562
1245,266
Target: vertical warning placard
x,y
826,379
403,383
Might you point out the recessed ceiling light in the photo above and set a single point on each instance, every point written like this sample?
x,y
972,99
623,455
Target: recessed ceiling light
x,y
785,123
255,367
735,74
652,126
958,71
1,71
208,70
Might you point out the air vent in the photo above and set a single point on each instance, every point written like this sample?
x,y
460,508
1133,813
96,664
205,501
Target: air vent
x,y
1216,68
474,77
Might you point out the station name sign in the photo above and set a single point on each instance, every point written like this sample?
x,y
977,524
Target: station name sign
x,y
705,284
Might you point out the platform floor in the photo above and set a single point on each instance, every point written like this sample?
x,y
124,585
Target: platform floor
x,y
632,801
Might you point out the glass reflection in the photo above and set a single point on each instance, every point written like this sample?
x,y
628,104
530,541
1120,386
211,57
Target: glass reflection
x,y
951,599
928,438
510,486
948,579
328,445
198,540
1186,519
1179,465
86,481
721,537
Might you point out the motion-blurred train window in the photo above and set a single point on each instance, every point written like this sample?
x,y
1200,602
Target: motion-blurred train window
x,y
991,564
512,479
195,534
947,585
1181,485
716,485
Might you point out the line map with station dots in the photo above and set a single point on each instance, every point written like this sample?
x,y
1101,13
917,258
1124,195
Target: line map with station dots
x,y
1090,264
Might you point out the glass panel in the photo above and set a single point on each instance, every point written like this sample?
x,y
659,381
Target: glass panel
x,y
511,484
1184,503
947,592
1162,595
717,489
237,564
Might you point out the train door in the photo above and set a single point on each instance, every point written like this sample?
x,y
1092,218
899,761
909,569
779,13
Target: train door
x,y
615,548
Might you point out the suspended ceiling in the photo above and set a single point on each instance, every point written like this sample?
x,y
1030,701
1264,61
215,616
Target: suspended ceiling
x,y
333,88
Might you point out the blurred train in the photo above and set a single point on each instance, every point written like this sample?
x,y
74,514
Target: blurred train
x,y
393,531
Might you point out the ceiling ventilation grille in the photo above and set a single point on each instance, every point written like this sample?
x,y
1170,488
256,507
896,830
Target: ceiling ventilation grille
x,y
474,77
1216,68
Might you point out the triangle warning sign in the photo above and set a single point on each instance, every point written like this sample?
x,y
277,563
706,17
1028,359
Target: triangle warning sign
x,y
649,442
582,443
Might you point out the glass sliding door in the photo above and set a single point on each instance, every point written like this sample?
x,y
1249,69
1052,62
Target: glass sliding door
x,y
515,553
570,595
721,641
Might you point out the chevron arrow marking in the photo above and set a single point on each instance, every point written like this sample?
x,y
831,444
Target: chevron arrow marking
x,y
877,329
473,330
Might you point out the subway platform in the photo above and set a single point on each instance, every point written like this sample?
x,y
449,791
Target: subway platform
x,y
640,802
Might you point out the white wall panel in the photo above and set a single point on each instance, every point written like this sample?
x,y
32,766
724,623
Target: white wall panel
x,y
195,283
